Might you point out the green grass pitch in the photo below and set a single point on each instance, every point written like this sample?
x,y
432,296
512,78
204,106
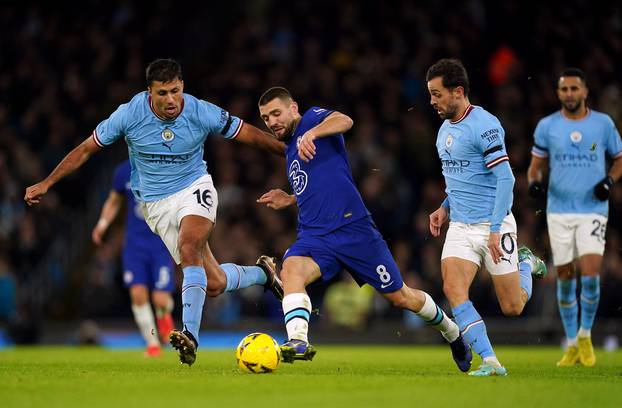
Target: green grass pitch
x,y
349,377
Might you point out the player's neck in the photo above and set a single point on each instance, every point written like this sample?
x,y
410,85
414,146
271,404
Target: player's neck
x,y
296,123
576,115
461,112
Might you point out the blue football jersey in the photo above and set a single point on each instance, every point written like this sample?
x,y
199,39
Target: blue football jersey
x,y
325,192
469,148
166,156
138,233
576,152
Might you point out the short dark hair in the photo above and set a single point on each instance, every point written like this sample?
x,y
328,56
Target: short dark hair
x,y
453,73
163,70
573,72
273,93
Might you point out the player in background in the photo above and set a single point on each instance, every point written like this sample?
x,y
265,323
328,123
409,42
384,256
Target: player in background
x,y
571,145
482,229
335,229
147,265
165,130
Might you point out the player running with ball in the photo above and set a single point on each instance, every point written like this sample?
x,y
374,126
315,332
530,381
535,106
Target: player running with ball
x,y
335,230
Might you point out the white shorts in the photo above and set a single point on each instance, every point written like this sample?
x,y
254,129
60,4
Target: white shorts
x,y
164,216
470,242
575,235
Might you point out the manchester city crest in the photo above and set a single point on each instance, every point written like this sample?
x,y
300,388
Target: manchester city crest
x,y
576,136
449,141
168,135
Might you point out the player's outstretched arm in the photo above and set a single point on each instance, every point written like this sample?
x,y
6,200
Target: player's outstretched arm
x,y
333,124
109,213
252,136
277,199
76,158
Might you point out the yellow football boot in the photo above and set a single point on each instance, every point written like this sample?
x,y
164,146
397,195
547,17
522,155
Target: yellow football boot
x,y
570,357
586,352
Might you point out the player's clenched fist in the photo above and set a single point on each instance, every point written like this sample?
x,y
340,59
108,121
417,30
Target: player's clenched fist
x,y
603,188
306,147
35,192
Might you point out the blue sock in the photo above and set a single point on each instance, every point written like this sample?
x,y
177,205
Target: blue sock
x,y
240,277
526,281
590,295
193,298
473,329
567,303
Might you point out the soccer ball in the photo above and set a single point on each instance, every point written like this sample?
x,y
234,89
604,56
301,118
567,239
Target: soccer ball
x,y
258,353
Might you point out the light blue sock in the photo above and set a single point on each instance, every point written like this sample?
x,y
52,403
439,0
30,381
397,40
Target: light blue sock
x,y
590,295
567,303
526,281
193,298
240,277
473,329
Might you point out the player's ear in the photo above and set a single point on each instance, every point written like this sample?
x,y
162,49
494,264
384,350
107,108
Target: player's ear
x,y
459,91
294,107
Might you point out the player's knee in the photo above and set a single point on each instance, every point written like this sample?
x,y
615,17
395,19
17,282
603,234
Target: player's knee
x,y
291,275
293,280
454,292
190,252
512,309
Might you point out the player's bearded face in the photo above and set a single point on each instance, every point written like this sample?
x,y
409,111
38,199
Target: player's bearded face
x,y
280,117
572,93
443,100
167,97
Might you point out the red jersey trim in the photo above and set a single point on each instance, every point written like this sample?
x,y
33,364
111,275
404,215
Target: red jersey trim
x,y
464,115
237,131
497,161
96,139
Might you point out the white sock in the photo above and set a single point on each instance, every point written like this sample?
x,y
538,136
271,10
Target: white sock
x,y
146,323
297,312
584,333
572,342
492,360
436,317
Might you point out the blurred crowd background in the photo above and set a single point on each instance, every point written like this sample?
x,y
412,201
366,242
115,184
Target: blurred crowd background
x,y
64,69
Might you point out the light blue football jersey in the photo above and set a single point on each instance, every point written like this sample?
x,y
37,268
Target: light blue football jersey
x,y
469,148
576,152
166,156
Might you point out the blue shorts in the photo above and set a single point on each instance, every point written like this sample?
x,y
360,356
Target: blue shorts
x,y
151,266
358,248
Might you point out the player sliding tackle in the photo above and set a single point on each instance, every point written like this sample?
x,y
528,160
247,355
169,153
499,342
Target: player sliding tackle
x,y
479,183
335,230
